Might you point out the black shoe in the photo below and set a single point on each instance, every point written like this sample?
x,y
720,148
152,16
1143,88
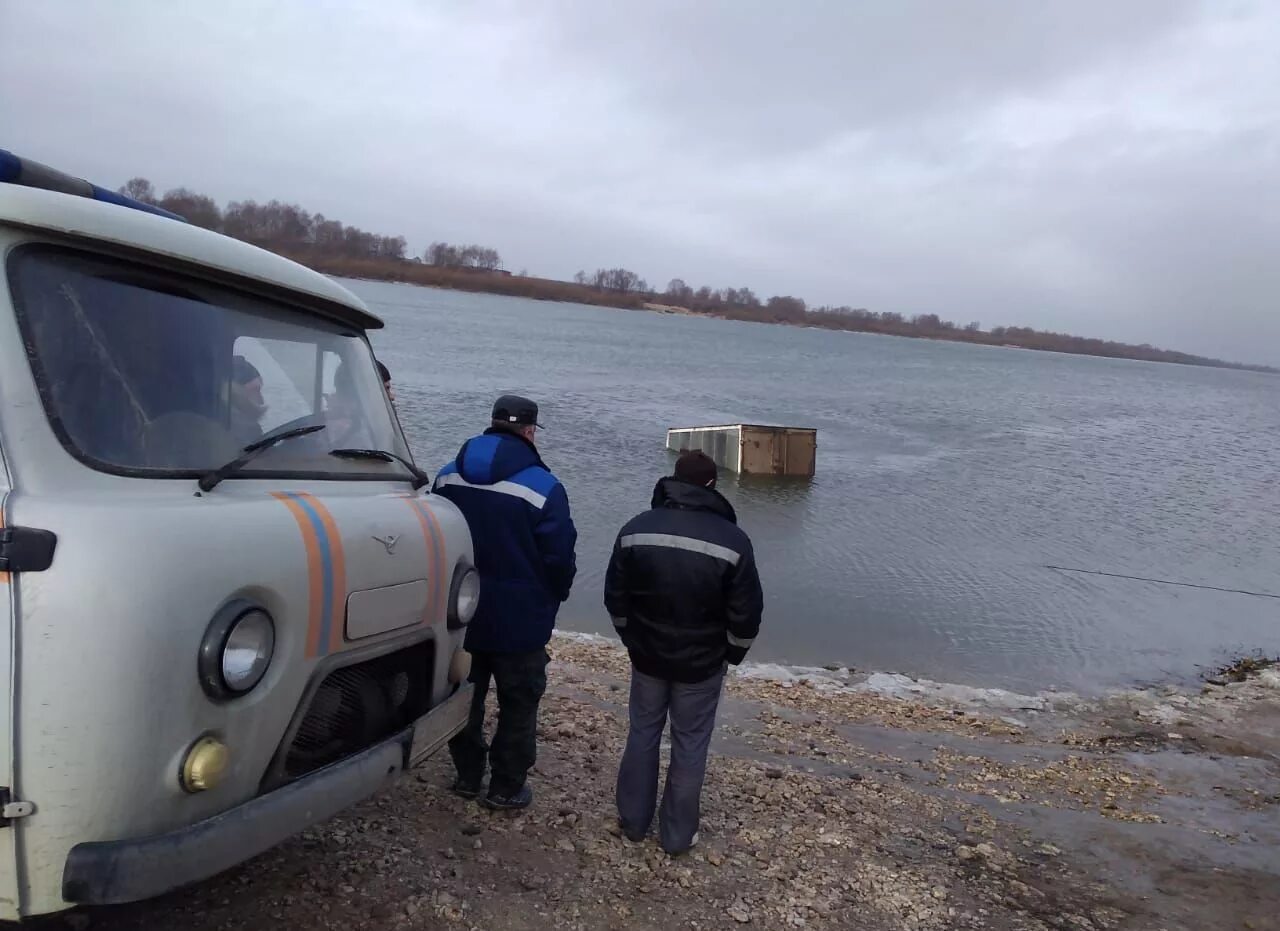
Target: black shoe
x,y
693,842
634,836
522,798
464,789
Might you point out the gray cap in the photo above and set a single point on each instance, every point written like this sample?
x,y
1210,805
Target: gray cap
x,y
515,410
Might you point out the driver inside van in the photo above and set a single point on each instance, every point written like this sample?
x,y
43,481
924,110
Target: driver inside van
x,y
248,407
345,415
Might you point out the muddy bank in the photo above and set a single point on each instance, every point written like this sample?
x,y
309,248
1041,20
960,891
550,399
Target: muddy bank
x,y
826,807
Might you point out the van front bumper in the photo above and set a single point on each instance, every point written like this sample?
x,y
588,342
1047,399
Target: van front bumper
x,y
113,872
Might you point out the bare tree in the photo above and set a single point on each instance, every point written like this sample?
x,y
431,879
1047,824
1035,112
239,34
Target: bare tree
x,y
139,189
392,247
196,209
786,308
443,254
327,235
679,293
619,279
473,256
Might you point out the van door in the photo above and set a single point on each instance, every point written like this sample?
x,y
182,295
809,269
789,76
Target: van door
x,y
9,905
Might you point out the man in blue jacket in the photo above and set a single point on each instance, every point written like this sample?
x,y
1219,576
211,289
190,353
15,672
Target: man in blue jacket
x,y
524,541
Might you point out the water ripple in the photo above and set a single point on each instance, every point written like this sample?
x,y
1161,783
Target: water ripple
x,y
948,476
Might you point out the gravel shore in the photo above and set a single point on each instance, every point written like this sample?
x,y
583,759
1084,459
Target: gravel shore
x,y
825,807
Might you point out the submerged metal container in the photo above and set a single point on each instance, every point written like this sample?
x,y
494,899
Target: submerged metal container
x,y
752,449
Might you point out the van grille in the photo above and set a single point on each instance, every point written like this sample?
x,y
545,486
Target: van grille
x,y
358,706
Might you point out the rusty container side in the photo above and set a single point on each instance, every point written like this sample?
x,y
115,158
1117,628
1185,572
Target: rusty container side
x,y
759,445
779,450
802,453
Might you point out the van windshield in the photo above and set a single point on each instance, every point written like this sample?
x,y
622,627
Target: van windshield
x,y
143,373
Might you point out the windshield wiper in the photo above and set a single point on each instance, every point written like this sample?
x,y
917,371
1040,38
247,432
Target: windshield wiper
x,y
209,481
420,478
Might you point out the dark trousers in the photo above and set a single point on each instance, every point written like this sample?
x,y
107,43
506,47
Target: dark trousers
x,y
692,709
521,678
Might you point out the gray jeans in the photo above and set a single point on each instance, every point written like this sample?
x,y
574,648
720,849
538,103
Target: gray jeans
x,y
692,708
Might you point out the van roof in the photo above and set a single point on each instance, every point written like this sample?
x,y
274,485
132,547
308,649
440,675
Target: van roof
x,y
177,243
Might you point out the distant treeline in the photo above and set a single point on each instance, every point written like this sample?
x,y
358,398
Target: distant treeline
x,y
334,248
331,247
742,304
460,279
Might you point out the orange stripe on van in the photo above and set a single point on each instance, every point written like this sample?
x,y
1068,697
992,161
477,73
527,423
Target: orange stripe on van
x,y
443,582
338,593
314,573
428,538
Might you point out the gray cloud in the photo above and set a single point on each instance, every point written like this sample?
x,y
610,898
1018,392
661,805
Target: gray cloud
x,y
1095,167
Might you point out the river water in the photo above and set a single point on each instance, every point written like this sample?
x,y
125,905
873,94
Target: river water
x,y
949,476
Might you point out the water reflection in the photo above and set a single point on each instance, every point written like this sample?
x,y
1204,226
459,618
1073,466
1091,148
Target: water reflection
x,y
777,490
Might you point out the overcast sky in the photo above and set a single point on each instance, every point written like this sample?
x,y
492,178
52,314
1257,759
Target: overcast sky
x,y
1107,168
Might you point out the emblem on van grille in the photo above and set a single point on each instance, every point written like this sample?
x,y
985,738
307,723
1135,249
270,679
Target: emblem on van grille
x,y
389,541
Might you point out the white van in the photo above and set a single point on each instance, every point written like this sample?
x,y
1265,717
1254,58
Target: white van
x,y
229,605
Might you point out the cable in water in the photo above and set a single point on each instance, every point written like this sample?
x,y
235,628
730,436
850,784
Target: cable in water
x,y
1139,578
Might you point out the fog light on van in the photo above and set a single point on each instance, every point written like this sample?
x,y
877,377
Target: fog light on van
x,y
459,667
464,596
236,650
205,765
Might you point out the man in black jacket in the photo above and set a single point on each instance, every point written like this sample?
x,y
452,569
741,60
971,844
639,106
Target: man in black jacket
x,y
684,595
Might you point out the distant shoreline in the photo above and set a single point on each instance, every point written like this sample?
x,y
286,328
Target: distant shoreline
x,y
330,247
548,289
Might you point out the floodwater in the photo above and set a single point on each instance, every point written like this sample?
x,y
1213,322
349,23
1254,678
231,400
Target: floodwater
x,y
949,476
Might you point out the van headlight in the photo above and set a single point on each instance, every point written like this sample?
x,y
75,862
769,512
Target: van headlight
x,y
236,650
464,596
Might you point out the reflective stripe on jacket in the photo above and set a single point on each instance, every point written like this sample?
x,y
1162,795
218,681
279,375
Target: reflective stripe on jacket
x,y
682,586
